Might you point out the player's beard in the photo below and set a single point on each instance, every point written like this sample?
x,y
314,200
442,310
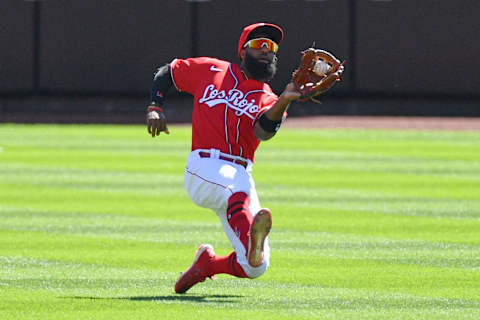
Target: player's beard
x,y
260,70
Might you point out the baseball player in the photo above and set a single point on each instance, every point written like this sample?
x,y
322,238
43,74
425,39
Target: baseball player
x,y
234,109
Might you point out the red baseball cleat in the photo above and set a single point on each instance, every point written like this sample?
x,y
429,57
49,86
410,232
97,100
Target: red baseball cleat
x,y
262,223
197,271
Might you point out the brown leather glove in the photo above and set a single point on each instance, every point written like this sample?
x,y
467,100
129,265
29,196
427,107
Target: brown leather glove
x,y
309,81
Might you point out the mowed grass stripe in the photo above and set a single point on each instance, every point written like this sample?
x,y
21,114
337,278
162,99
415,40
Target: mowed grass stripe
x,y
207,305
394,226
397,183
317,270
181,232
315,241
367,224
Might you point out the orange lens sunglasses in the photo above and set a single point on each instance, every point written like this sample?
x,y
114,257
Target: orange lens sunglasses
x,y
261,43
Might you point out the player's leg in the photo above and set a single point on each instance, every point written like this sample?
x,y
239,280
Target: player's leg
x,y
207,183
249,241
230,191
239,216
224,187
214,184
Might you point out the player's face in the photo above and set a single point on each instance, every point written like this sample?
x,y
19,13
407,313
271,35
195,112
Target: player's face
x,y
261,64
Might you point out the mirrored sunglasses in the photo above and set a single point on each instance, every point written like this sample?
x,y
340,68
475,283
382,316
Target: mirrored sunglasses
x,y
261,43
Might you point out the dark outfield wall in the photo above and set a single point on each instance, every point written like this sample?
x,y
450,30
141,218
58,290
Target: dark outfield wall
x,y
408,46
393,48
93,46
16,46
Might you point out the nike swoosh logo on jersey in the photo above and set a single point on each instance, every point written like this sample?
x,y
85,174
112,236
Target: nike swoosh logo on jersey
x,y
213,68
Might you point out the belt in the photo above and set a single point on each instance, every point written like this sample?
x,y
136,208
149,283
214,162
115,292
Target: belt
x,y
205,154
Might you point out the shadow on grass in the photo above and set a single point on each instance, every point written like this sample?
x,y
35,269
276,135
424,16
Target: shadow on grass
x,y
216,298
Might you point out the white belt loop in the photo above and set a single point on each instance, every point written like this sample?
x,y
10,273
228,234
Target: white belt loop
x,y
249,166
214,153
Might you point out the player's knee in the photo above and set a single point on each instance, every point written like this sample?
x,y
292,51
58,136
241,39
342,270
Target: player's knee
x,y
239,196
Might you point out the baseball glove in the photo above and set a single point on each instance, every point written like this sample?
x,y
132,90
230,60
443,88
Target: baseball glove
x,y
319,70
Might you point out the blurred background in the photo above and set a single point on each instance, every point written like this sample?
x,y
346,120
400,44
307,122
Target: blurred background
x,y
93,60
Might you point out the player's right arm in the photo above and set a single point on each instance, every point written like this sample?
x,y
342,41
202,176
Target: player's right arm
x,y
156,120
181,73
271,120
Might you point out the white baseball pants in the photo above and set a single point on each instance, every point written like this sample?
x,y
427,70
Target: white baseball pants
x,y
210,182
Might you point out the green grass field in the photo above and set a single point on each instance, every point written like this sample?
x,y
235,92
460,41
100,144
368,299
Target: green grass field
x,y
368,224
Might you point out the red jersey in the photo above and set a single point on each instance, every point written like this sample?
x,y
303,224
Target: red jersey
x,y
226,104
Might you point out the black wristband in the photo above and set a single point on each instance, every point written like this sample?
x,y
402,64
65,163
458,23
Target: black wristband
x,y
162,81
269,125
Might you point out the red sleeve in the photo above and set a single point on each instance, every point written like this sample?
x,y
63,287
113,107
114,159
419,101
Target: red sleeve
x,y
185,73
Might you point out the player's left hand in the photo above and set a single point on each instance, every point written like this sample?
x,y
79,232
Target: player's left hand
x,y
156,123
